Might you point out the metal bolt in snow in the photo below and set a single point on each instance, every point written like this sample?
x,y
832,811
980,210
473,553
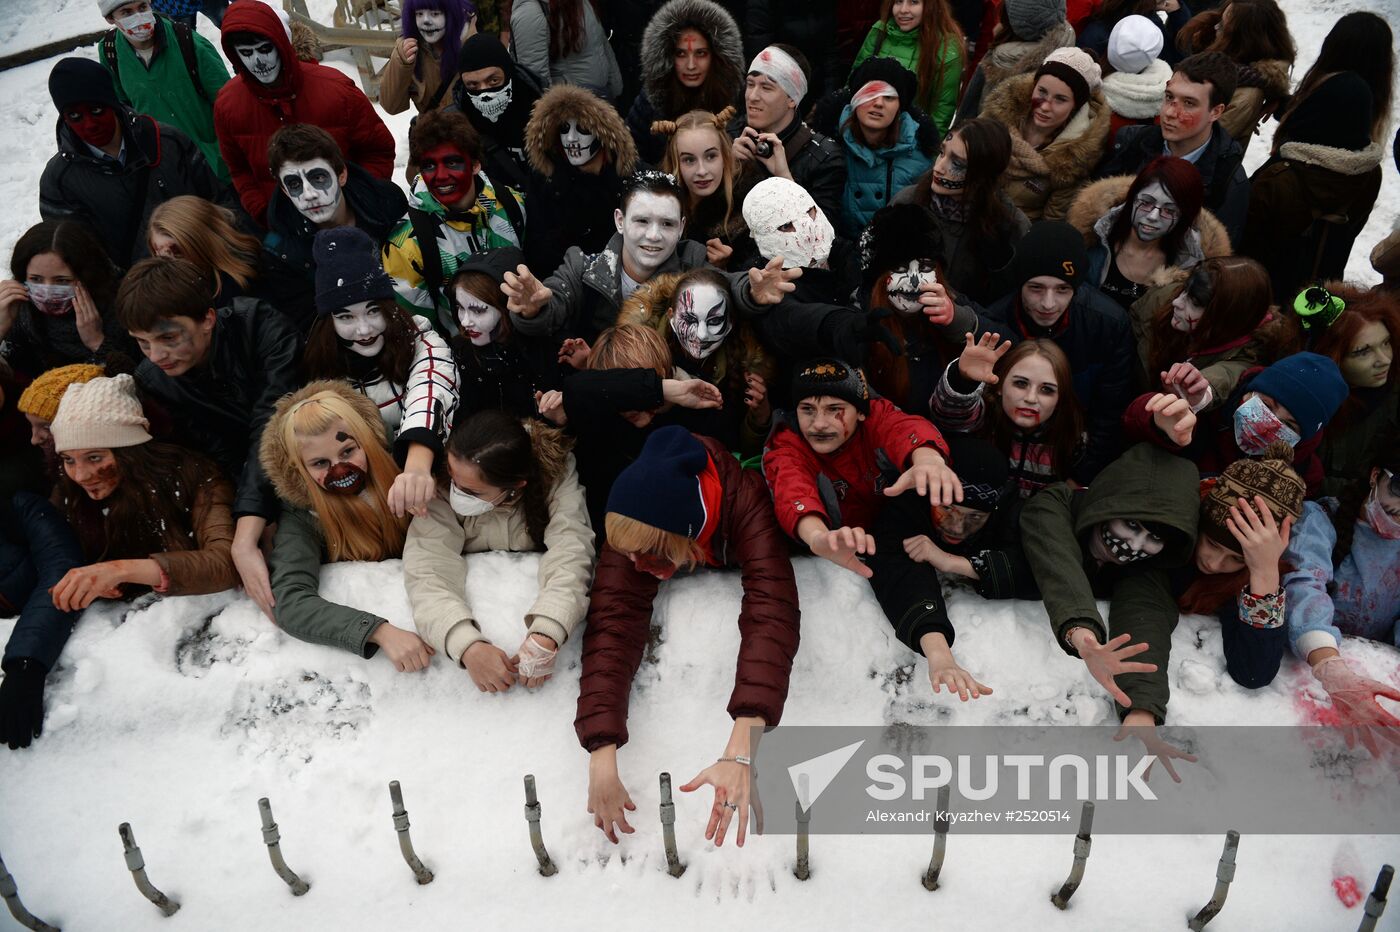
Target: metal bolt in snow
x,y
532,816
137,865
10,893
273,839
1082,843
1375,903
940,838
1224,873
803,870
420,873
674,867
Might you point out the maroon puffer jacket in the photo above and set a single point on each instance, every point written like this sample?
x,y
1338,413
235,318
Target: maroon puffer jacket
x,y
619,614
247,112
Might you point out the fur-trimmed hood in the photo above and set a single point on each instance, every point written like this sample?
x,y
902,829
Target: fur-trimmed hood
x,y
650,306
277,461
1138,96
565,102
1072,154
1275,77
727,64
1017,57
1341,161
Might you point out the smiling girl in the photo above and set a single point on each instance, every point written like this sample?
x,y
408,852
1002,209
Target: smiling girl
x,y
698,152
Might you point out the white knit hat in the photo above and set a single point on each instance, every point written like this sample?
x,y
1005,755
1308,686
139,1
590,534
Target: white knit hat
x,y
1134,44
100,415
1082,62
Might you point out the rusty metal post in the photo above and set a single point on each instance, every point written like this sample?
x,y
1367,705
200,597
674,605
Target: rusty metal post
x,y
1224,873
10,893
273,839
137,865
940,838
420,873
532,816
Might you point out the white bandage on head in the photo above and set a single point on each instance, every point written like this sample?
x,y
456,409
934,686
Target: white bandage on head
x,y
774,63
871,90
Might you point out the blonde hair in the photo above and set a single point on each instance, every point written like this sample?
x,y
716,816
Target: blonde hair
x,y
628,535
632,346
353,528
671,162
207,236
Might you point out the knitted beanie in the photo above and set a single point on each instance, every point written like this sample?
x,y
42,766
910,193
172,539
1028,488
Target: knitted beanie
x,y
1032,19
42,396
106,7
1336,114
1077,69
1054,248
348,270
101,414
1310,386
1271,476
904,81
484,50
661,487
81,81
1134,43
494,263
833,378
982,469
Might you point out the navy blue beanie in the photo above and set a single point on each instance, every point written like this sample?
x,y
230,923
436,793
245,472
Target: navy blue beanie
x,y
1310,386
661,488
348,270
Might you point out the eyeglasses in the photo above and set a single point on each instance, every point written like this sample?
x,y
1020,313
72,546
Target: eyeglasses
x,y
1168,212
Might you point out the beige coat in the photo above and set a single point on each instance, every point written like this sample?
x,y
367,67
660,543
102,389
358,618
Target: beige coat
x,y
1246,107
398,84
436,575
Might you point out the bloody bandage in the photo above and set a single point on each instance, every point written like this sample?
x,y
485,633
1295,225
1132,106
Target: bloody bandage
x,y
774,63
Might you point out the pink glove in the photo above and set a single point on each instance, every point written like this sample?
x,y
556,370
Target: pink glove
x,y
535,659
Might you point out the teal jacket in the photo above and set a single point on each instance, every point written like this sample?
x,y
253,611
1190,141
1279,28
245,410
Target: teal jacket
x,y
298,551
163,90
1144,484
940,102
874,176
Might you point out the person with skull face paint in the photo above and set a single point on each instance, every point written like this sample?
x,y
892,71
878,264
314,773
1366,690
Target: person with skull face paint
x,y
422,69
580,151
397,360
685,503
113,165
498,98
273,88
327,454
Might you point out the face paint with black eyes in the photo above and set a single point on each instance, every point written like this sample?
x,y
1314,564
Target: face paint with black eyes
x,y
432,25
904,284
313,188
701,319
1124,541
579,144
261,59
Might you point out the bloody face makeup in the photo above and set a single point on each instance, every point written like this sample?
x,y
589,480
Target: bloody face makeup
x,y
432,25
956,523
1186,112
313,187
1123,541
95,471
580,145
136,21
176,344
449,175
1154,212
1030,393
360,328
1368,359
94,124
1186,314
480,321
692,58
902,286
1260,421
261,59
650,230
701,319
950,168
334,460
827,423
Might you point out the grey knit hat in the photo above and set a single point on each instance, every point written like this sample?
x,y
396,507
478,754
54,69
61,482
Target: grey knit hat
x,y
1032,19
105,7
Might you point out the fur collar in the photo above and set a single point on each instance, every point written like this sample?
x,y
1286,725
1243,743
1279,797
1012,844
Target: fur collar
x,y
1072,154
1137,96
551,447
1341,161
728,65
1014,58
1276,75
277,460
565,102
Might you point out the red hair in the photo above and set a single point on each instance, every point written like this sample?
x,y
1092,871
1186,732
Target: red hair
x,y
1363,307
1183,182
1235,295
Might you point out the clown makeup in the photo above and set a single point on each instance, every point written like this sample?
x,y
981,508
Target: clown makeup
x,y
692,57
448,174
701,319
432,25
261,58
827,422
313,188
361,328
902,286
785,221
1186,314
1123,541
579,144
1260,421
95,471
94,124
956,523
950,168
1154,212
650,230
334,460
1368,359
1029,393
479,320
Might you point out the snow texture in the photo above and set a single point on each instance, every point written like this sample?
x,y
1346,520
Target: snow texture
x,y
178,714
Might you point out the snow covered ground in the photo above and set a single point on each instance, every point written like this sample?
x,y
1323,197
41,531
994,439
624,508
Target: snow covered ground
x,y
177,714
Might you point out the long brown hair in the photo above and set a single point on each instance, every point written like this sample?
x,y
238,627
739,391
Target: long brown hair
x,y
1235,295
566,28
936,29
1257,30
499,445
1363,307
1360,42
325,357
1064,428
671,161
206,235
988,144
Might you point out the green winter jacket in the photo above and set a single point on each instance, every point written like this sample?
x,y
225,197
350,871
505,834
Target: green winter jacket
x,y
1146,484
940,102
163,90
298,551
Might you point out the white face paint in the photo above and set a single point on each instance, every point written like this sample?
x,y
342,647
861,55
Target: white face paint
x,y
362,327
313,187
785,221
650,230
903,285
701,319
432,25
1154,212
579,144
479,320
1186,314
138,27
261,59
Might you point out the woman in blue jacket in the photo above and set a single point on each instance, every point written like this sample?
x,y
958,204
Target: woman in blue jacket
x,y
886,148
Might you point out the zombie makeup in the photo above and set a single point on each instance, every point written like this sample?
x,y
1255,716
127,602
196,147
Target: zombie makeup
x,y
1256,427
261,59
345,479
479,320
176,344
360,328
94,124
448,174
827,422
1367,361
957,523
52,300
491,104
432,25
949,175
138,27
1154,212
701,319
1186,314
785,221
579,144
94,471
313,188
650,230
1123,541
692,58
1029,393
903,285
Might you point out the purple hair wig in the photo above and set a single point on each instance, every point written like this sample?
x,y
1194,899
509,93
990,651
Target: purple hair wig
x,y
457,12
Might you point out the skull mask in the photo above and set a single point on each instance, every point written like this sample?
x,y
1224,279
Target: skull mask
x,y
785,221
491,104
904,283
313,187
701,318
261,58
1121,540
579,144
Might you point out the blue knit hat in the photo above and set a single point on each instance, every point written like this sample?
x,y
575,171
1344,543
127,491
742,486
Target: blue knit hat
x,y
1310,386
661,488
348,270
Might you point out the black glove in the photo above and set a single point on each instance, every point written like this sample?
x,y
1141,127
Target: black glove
x,y
22,703
850,333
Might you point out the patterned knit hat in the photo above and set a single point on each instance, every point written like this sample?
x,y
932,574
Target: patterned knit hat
x,y
42,396
834,378
100,414
1270,476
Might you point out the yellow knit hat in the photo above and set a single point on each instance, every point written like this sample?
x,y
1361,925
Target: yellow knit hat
x,y
42,396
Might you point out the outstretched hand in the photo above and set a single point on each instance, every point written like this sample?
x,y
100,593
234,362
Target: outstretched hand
x,y
1361,717
935,480
1173,416
768,284
979,359
525,295
844,547
730,780
691,393
1110,660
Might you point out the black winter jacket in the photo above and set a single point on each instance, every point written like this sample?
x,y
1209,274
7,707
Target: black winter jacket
x,y
815,161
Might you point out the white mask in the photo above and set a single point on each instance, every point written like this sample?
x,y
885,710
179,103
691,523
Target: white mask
x,y
466,505
1154,212
479,320
1186,314
701,319
432,25
903,285
778,202
491,104
362,327
313,187
138,27
650,230
262,60
579,144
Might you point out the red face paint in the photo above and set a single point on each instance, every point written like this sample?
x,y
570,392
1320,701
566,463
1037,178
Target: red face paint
x,y
448,173
94,124
656,566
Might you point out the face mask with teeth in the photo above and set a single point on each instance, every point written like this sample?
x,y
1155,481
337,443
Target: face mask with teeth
x,y
345,479
492,104
1118,548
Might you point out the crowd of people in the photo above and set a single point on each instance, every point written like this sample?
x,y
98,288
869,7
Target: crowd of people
x,y
974,292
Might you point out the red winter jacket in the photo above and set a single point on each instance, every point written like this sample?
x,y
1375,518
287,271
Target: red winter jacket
x,y
247,112
620,606
792,467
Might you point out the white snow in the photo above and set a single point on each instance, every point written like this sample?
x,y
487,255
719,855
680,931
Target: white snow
x,y
177,714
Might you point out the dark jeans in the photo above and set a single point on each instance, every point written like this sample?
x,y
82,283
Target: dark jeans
x,y
37,550
908,591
